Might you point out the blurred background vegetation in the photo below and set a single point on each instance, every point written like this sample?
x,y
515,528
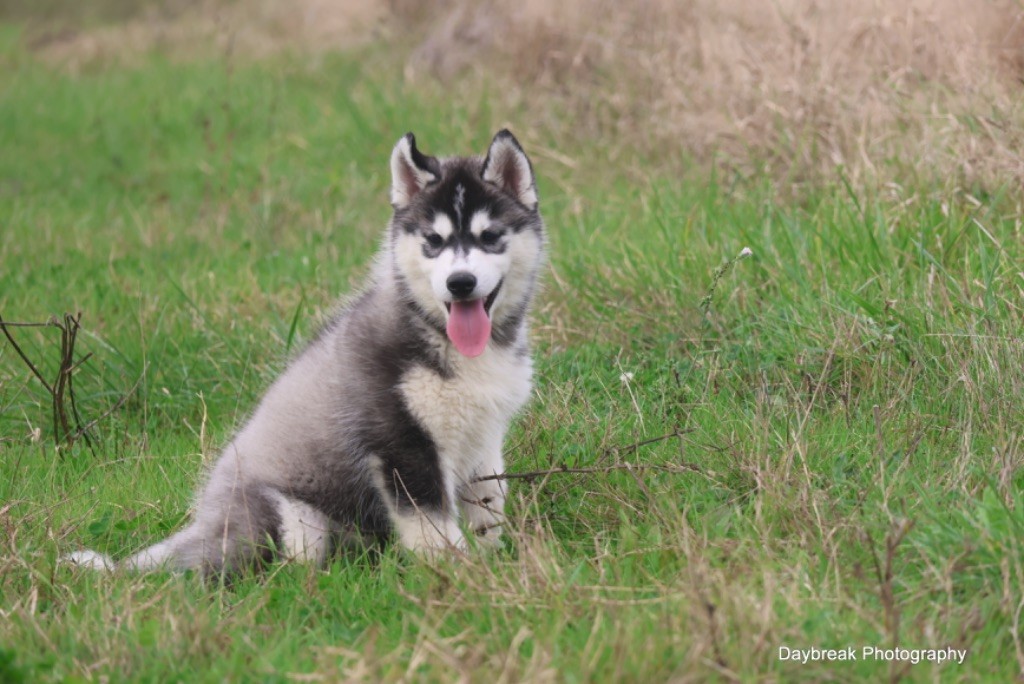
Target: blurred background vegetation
x,y
887,92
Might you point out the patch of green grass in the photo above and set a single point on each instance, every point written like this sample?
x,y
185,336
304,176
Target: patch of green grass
x,y
848,406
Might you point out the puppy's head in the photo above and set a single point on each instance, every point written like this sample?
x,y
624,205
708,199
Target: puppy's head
x,y
467,239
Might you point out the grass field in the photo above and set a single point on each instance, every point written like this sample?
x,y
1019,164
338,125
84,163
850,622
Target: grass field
x,y
844,408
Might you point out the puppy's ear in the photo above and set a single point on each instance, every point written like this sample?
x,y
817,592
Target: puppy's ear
x,y
507,167
411,171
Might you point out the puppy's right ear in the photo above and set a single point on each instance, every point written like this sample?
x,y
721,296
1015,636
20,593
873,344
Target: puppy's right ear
x,y
411,171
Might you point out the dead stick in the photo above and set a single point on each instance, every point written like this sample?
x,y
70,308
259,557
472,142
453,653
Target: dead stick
x,y
635,467
534,474
653,440
4,325
59,409
70,372
120,402
79,363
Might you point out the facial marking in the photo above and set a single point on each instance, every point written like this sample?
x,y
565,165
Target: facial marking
x,y
443,226
459,203
480,222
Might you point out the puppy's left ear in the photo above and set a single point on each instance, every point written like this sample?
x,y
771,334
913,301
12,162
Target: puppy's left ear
x,y
507,167
411,171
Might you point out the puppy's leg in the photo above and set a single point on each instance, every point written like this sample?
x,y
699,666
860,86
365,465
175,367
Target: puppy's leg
x,y
428,532
304,533
422,509
482,501
483,507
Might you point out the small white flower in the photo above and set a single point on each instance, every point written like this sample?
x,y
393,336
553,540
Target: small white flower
x,y
625,378
745,252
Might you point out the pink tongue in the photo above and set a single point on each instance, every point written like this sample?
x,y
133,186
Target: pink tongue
x,y
469,328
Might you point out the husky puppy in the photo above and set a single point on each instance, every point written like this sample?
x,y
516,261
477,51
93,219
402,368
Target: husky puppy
x,y
383,424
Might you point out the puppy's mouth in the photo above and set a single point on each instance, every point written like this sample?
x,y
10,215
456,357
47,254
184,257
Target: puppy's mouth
x,y
488,300
469,323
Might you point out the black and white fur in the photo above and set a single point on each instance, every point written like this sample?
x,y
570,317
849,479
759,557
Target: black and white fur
x,y
380,427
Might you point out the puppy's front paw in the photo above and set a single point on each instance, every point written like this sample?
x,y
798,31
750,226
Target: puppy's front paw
x,y
429,537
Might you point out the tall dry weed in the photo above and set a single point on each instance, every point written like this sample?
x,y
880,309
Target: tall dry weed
x,y
798,87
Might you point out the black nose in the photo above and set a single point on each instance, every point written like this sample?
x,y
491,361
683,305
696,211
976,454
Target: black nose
x,y
461,284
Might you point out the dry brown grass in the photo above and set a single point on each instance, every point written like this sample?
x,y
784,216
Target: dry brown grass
x,y
797,87
186,28
884,90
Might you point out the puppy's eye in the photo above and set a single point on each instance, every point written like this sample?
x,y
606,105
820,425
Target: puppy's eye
x,y
490,237
435,240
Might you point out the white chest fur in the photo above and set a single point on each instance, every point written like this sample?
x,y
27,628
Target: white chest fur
x,y
468,413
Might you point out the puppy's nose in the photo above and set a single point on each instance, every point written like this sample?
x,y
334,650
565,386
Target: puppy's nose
x,y
461,284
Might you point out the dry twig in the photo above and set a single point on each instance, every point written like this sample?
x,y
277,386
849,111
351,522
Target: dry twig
x,y
633,467
62,390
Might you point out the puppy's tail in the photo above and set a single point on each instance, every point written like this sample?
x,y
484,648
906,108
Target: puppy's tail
x,y
180,551
87,558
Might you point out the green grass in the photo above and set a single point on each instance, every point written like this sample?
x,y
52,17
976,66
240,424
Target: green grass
x,y
850,404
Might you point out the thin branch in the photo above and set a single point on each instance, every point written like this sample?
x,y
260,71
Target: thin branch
x,y
62,390
67,342
628,449
653,440
81,361
120,402
74,404
35,371
635,467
